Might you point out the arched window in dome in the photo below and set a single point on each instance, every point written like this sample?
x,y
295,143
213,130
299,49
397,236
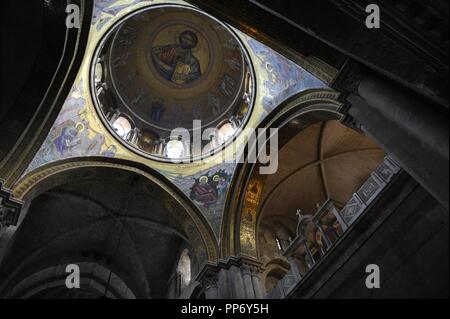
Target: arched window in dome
x,y
122,126
226,131
175,149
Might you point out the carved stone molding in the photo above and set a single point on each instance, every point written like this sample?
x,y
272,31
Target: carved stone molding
x,y
247,265
239,278
371,189
9,208
349,78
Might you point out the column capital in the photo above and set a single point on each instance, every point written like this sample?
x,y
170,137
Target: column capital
x,y
210,281
243,263
209,276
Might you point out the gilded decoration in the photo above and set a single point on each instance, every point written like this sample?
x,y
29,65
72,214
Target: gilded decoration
x,y
249,216
79,130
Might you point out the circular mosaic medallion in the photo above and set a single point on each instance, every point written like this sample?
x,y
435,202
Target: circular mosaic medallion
x,y
165,67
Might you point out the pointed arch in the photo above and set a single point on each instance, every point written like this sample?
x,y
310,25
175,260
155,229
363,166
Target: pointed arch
x,y
309,107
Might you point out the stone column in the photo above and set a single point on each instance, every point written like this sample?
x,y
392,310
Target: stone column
x,y
259,293
294,268
6,233
234,278
210,283
409,127
248,282
235,286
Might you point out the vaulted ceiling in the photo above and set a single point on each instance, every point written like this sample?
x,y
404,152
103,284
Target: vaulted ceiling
x,y
116,219
326,160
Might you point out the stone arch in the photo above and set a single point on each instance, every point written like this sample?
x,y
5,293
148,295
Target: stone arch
x,y
63,179
97,280
33,99
310,107
49,176
324,157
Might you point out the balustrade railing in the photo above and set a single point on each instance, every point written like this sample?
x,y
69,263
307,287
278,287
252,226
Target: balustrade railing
x,y
317,234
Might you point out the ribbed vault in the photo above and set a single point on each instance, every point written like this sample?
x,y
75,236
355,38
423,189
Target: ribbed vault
x,y
325,161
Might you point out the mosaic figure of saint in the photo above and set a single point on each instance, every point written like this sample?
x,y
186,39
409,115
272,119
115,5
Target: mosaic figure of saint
x,y
222,186
157,110
67,138
204,191
176,62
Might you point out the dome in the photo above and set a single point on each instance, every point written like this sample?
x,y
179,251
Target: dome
x,y
165,69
